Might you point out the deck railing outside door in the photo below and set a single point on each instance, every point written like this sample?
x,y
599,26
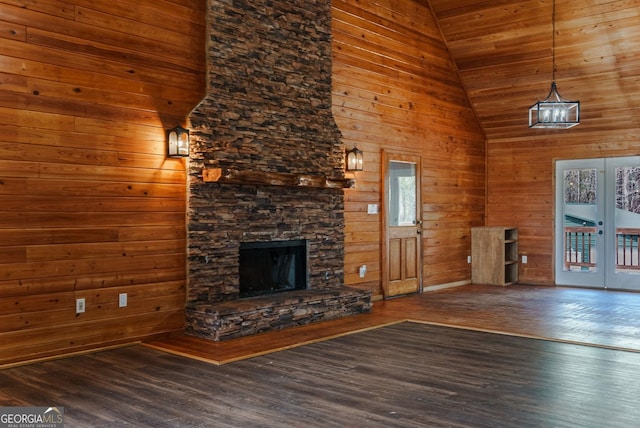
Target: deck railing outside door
x,y
627,245
580,248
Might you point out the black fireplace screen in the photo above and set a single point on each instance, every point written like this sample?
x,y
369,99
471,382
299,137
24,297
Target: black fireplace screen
x,y
272,267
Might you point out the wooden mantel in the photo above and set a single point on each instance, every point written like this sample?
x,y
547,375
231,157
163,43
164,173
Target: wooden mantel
x,y
234,176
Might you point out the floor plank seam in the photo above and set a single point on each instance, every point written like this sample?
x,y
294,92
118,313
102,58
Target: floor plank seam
x,y
528,336
68,355
220,362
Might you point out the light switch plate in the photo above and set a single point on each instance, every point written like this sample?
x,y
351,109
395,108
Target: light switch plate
x,y
363,271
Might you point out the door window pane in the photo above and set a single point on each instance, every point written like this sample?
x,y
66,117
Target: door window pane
x,y
627,219
580,211
402,193
580,186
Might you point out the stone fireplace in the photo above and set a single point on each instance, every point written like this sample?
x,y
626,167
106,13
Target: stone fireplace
x,y
266,170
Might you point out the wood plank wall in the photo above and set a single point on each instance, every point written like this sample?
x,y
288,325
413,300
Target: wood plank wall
x,y
521,185
90,206
396,89
505,56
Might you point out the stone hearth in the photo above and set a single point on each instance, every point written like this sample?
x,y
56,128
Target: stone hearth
x,y
267,114
260,314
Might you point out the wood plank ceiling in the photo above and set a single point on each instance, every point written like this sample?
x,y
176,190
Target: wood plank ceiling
x,y
503,51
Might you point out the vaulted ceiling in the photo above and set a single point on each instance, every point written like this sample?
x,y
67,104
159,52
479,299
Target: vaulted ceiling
x,y
503,51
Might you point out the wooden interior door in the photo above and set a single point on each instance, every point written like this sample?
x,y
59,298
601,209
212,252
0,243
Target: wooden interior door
x,y
402,252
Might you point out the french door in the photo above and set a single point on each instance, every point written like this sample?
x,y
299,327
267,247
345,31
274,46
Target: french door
x,y
598,223
402,243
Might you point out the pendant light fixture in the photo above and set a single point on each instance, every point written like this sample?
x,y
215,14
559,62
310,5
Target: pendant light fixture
x,y
554,111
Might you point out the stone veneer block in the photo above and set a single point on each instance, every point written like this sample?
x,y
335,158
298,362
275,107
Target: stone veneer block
x,y
220,321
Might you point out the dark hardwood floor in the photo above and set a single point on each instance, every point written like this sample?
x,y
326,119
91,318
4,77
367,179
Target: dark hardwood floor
x,y
403,374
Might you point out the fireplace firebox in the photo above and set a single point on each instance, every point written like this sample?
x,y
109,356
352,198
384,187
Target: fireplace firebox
x,y
272,267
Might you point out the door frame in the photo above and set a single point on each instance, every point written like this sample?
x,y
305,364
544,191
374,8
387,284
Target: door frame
x,y
400,156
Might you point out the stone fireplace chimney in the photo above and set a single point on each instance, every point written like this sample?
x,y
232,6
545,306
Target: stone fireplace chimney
x,y
265,130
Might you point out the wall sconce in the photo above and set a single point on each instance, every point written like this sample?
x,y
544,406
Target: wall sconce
x,y
178,142
354,160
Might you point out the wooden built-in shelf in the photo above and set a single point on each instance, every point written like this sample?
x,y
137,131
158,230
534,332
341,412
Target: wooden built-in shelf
x,y
494,255
234,176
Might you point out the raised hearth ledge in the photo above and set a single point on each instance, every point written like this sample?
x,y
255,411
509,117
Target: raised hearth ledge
x,y
234,176
253,315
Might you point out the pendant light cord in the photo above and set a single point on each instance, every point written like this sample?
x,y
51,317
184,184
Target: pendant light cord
x,y
553,41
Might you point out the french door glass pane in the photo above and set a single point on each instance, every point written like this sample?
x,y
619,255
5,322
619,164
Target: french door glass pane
x,y
627,219
580,214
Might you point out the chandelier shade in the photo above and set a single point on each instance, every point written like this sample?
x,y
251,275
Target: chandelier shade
x,y
554,111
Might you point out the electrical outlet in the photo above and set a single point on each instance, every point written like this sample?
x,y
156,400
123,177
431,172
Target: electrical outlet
x,y
122,300
80,306
363,271
469,259
524,260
